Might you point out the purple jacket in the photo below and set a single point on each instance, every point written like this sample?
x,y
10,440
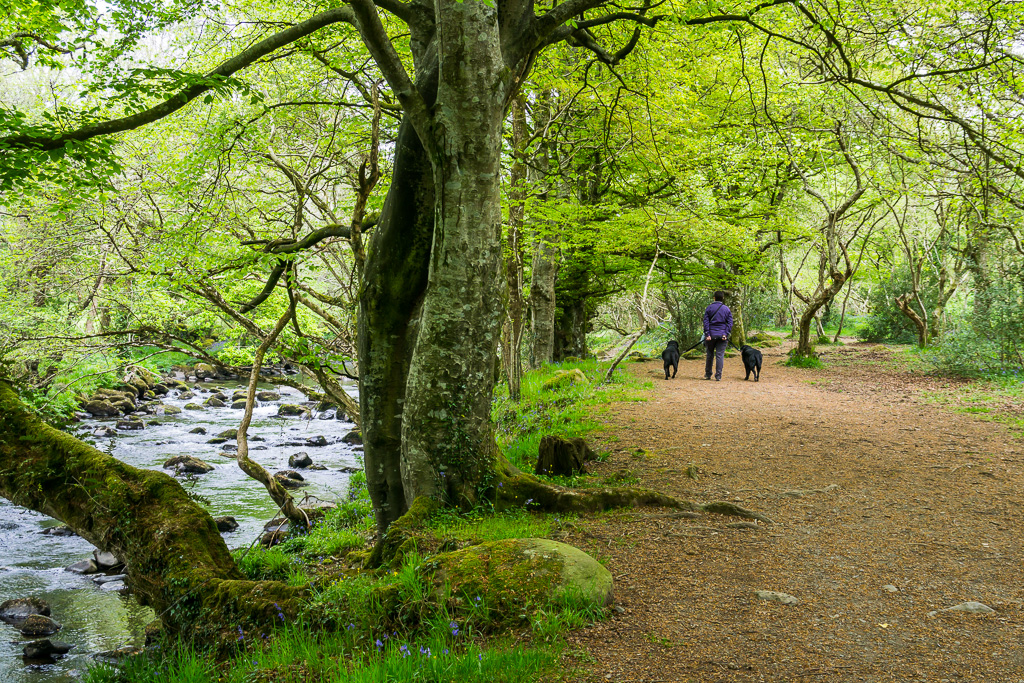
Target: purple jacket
x,y
717,320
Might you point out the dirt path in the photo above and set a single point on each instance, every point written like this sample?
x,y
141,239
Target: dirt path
x,y
886,508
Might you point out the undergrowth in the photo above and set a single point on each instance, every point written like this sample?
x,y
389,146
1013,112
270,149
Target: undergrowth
x,y
568,409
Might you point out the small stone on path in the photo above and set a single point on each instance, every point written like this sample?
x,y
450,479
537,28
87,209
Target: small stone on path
x,y
775,596
889,588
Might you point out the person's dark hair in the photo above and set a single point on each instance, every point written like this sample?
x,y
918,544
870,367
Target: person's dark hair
x,y
719,295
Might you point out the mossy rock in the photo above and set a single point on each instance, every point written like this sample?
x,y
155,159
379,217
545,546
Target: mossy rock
x,y
204,371
172,410
512,573
193,406
291,410
564,378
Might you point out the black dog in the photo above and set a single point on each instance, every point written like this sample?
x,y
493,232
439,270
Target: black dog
x,y
671,357
751,361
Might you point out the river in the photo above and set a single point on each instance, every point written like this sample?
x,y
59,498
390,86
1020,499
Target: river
x,y
94,619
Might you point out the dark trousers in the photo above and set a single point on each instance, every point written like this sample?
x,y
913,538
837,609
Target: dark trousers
x,y
715,349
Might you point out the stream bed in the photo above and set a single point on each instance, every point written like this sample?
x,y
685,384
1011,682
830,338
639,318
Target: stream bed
x,y
32,564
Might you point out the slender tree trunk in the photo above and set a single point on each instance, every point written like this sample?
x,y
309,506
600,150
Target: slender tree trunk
x,y
544,265
512,336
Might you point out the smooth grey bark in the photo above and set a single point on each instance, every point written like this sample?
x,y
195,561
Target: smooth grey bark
x,y
543,274
512,333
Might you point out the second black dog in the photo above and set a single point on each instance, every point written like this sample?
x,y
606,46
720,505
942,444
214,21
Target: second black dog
x,y
671,357
751,361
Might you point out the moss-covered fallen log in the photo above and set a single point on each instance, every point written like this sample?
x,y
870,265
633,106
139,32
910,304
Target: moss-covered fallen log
x,y
176,560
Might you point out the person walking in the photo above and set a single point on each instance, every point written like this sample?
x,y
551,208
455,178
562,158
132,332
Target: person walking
x,y
717,327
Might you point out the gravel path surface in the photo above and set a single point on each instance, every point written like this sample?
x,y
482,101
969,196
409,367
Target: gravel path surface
x,y
887,510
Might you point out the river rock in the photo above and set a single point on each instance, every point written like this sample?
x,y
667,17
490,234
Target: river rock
x,y
189,464
340,416
46,649
316,441
62,530
226,524
329,415
160,389
204,371
84,567
268,396
109,578
353,438
198,430
115,587
317,467
186,395
228,434
19,609
101,408
214,402
301,459
104,431
106,559
349,470
775,596
526,570
239,404
131,425
288,481
38,625
172,410
271,538
216,440
291,410
193,406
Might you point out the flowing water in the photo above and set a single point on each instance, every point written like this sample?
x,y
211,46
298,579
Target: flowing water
x,y
94,619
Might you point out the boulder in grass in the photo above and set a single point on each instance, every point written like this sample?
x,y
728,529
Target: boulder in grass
x,y
38,625
300,460
564,378
188,464
525,571
19,609
46,649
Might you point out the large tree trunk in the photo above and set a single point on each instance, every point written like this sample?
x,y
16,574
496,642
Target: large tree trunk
x,y
176,560
571,331
448,446
395,278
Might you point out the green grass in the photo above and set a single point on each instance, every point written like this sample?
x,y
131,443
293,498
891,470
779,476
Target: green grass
x,y
998,400
568,410
807,362
492,527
